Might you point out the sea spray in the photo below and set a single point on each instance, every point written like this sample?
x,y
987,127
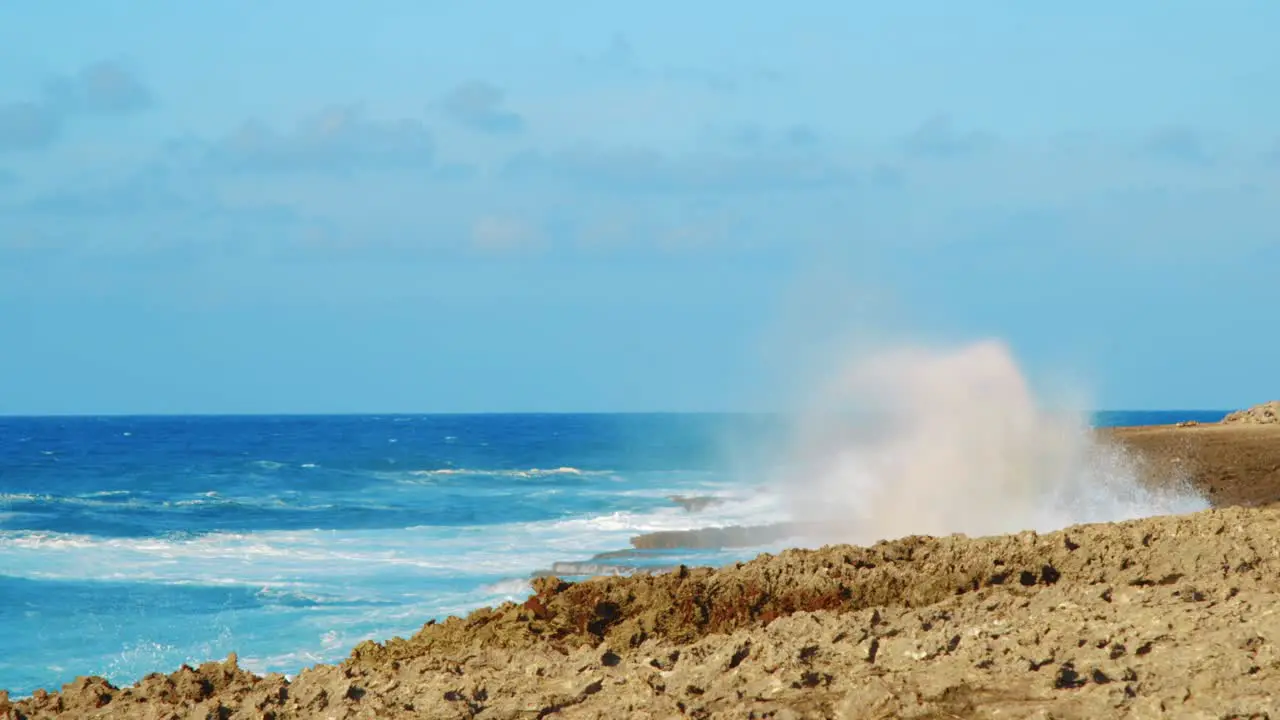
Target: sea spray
x,y
920,441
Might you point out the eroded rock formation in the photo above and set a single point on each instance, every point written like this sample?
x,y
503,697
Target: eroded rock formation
x,y
1164,615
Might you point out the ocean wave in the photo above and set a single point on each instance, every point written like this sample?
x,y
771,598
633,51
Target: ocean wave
x,y
326,557
266,503
267,464
115,500
102,498
529,473
513,587
19,497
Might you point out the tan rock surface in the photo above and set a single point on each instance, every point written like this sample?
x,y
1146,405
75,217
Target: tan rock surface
x,y
1267,413
1164,617
1232,464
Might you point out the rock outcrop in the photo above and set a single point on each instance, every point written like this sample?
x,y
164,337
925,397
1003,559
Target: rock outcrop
x,y
1267,413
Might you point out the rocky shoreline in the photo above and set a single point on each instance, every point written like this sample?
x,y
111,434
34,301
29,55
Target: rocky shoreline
x,y
1163,616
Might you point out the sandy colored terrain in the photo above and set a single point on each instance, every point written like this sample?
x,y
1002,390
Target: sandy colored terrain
x,y
1232,464
1164,617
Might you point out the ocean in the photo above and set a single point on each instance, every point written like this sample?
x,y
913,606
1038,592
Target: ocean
x,y
135,544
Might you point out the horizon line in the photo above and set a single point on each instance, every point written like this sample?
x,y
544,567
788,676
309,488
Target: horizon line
x,y
480,413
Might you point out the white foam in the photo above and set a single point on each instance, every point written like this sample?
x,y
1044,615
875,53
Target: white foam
x,y
529,473
330,557
93,499
513,588
21,497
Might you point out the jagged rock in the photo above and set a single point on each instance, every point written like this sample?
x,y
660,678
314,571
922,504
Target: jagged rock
x,y
1095,621
695,503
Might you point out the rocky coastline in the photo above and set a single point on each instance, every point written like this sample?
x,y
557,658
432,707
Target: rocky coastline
x,y
1168,616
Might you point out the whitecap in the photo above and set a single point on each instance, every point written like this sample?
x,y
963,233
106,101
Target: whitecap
x,y
511,587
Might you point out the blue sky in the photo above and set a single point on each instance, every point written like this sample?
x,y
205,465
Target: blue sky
x,y
558,206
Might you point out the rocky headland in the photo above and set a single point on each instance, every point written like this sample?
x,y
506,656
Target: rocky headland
x,y
1267,413
1164,617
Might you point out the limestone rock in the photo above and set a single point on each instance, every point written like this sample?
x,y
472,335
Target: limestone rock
x,y
1267,413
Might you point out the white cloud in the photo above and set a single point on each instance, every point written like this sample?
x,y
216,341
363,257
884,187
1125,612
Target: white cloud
x,y
504,234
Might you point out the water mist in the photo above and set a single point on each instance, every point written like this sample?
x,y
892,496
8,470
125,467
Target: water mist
x,y
920,441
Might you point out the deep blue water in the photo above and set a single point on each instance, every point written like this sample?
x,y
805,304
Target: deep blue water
x,y
133,544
